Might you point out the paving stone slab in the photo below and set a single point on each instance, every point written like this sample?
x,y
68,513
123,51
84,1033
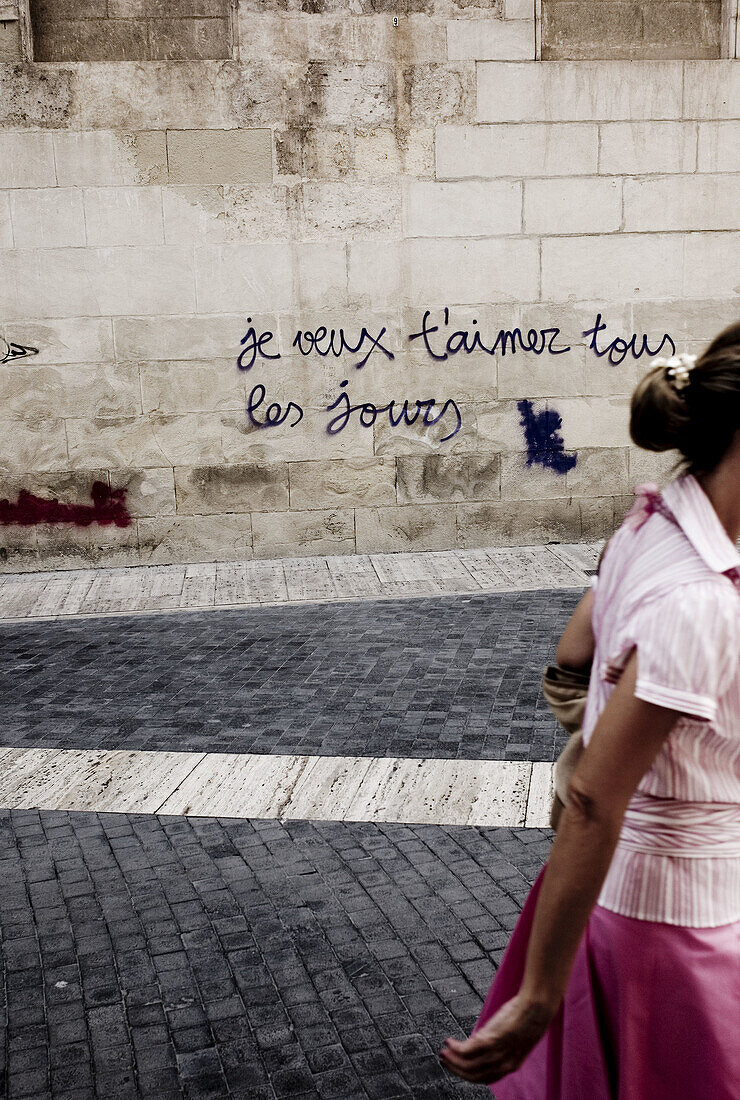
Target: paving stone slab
x,y
83,592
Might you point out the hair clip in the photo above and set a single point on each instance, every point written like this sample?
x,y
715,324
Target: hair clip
x,y
678,369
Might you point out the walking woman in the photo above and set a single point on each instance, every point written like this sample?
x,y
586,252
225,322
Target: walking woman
x,y
622,977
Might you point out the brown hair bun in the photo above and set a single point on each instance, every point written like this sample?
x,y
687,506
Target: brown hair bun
x,y
698,418
659,413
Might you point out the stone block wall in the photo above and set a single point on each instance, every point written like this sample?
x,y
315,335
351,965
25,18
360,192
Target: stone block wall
x,y
11,47
162,221
130,30
631,29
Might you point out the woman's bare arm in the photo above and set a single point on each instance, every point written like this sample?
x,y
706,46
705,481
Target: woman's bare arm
x,y
576,646
626,740
627,737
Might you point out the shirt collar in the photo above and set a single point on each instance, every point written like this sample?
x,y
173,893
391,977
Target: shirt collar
x,y
700,523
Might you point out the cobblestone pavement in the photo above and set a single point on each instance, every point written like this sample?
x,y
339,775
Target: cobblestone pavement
x,y
164,958
445,677
156,957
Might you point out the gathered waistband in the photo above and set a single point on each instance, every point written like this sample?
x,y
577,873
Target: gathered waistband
x,y
672,827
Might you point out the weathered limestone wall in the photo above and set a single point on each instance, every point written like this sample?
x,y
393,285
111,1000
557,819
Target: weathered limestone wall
x,y
10,36
130,30
631,29
346,173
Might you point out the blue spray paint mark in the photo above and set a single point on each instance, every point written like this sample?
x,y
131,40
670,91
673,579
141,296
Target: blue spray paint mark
x,y
544,442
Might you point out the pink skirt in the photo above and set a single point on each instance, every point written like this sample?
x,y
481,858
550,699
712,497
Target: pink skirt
x,y
651,1012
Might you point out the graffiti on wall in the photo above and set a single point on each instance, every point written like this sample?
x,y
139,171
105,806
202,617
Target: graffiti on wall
x,y
545,444
10,350
437,336
108,507
441,341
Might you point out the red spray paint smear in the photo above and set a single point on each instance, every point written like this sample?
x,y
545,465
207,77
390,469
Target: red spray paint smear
x,y
108,506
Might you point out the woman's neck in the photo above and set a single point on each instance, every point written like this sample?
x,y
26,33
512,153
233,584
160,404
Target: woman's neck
x,y
722,487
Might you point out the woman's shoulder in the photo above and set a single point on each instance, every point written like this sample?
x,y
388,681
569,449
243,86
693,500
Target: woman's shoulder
x,y
704,595
661,569
655,555
696,621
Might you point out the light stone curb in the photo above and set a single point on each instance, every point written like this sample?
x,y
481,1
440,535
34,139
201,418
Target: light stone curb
x,y
136,590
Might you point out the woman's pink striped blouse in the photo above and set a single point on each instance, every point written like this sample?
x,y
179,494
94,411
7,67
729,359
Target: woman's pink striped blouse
x,y
669,586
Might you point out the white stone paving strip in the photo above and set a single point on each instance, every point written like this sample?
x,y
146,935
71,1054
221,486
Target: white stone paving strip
x,y
541,790
144,589
355,578
82,779
236,785
441,792
578,555
321,788
199,587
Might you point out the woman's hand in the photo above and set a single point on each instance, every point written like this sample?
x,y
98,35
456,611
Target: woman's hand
x,y
500,1045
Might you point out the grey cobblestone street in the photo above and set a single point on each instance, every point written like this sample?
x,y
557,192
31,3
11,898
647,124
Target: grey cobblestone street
x,y
445,677
162,957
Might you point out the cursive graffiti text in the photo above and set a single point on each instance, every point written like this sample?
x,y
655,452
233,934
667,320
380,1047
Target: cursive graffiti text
x,y
398,413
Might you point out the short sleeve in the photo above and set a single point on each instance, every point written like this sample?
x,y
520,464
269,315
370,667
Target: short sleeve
x,y
688,648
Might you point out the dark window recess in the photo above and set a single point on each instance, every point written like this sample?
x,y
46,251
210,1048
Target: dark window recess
x,y
632,29
130,30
